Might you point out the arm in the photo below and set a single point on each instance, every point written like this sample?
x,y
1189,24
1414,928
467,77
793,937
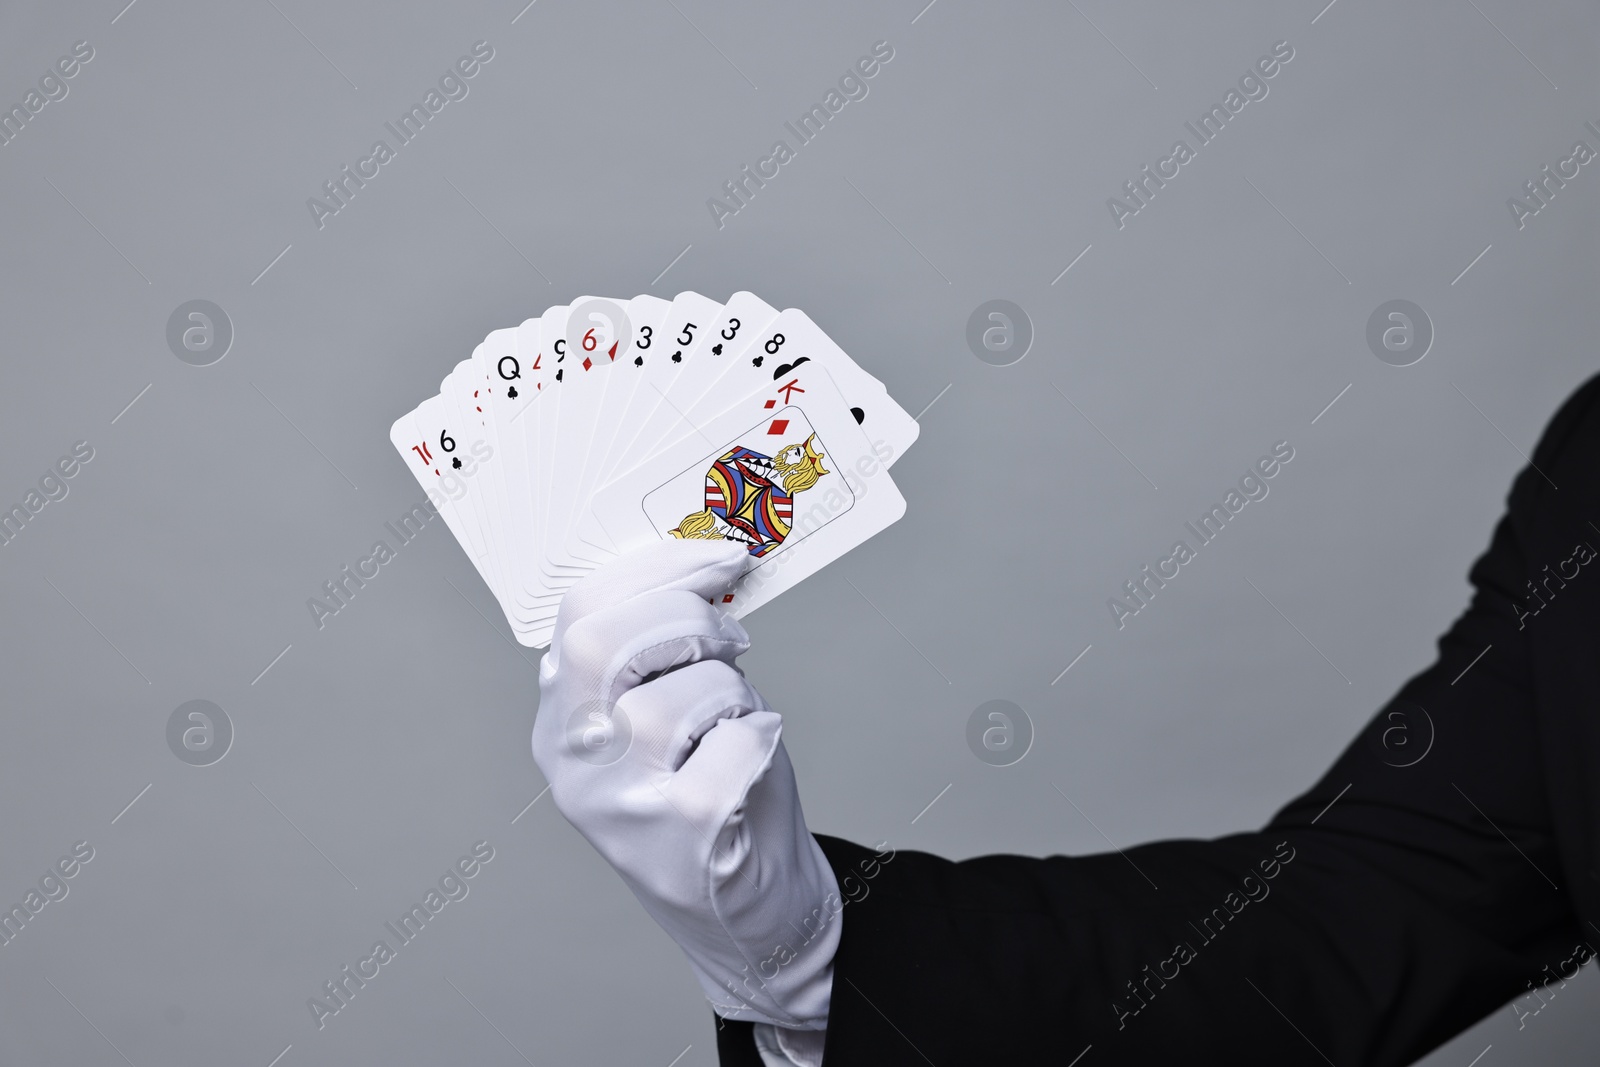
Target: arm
x,y
1361,926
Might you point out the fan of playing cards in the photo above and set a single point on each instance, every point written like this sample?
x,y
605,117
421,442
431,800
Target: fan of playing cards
x,y
607,424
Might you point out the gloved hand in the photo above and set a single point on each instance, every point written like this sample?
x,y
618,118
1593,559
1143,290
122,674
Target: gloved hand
x,y
661,754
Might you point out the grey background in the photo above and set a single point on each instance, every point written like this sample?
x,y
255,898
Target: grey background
x,y
1191,341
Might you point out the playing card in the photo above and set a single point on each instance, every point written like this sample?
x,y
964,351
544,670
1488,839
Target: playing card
x,y
464,450
742,319
544,442
596,332
684,332
787,348
413,437
611,434
608,329
506,391
792,478
539,349
493,376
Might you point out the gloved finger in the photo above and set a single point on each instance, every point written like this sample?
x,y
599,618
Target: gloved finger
x,y
706,568
630,752
731,758
669,715
608,652
740,781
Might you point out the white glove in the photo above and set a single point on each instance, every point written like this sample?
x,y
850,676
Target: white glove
x,y
673,767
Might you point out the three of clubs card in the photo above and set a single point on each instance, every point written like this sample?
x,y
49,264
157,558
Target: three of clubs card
x,y
604,425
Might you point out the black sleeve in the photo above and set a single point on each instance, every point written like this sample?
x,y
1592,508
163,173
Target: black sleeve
x,y
1417,887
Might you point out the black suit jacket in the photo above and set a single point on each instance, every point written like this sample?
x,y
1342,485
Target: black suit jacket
x,y
1446,864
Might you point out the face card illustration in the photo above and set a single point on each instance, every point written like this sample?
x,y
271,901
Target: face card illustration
x,y
748,492
789,476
